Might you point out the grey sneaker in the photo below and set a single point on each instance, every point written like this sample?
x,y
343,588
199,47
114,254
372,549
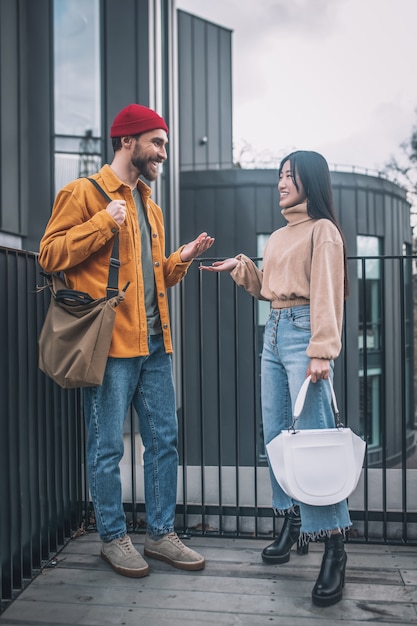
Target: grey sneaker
x,y
171,549
124,558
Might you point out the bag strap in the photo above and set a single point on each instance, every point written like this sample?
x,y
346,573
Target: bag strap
x,y
299,403
113,279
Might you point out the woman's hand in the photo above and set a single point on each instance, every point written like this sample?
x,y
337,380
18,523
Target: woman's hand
x,y
221,266
318,369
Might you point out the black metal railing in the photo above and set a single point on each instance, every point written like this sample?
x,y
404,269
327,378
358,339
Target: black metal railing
x,y
41,438
223,474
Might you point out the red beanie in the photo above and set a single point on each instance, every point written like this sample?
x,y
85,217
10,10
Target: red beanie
x,y
135,119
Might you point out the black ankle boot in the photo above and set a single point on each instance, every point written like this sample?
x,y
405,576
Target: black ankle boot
x,y
279,551
329,585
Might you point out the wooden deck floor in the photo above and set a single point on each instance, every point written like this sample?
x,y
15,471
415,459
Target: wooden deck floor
x,y
235,588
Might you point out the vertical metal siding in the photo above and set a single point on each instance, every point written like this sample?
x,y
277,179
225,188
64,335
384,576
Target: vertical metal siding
x,y
205,96
10,221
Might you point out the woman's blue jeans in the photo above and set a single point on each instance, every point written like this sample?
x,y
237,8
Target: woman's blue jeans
x,y
283,370
146,382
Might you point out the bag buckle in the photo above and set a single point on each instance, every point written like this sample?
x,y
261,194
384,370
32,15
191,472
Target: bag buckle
x,y
339,424
292,427
111,292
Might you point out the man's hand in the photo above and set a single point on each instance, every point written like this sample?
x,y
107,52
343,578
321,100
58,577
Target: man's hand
x,y
117,209
221,266
202,243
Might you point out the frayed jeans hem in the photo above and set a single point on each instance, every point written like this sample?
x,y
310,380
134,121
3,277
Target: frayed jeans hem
x,y
306,537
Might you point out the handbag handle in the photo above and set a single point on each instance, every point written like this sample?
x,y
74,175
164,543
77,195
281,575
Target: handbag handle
x,y
299,403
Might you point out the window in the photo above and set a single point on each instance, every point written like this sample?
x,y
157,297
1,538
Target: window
x,y
369,277
77,87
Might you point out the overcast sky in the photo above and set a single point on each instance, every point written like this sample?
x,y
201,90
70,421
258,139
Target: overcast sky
x,y
337,76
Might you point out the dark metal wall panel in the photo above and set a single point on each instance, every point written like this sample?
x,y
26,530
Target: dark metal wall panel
x,y
125,59
205,94
205,205
349,221
36,110
267,210
200,93
244,203
245,219
365,205
396,227
213,152
25,118
9,117
372,213
362,199
185,110
379,223
226,100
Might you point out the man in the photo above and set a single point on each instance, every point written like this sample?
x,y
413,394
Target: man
x,y
78,241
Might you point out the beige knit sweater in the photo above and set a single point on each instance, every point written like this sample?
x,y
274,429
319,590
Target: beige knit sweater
x,y
303,264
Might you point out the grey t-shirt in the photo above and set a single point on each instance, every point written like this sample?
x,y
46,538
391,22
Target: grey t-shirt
x,y
152,312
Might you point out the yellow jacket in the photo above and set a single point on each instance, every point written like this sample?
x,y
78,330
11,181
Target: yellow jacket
x,y
78,240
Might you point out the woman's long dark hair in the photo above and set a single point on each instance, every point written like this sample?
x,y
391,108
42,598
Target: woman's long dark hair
x,y
313,172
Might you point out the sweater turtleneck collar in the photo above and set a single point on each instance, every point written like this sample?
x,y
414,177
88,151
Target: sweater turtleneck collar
x,y
296,214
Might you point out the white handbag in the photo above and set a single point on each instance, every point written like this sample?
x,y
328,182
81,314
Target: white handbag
x,y
317,466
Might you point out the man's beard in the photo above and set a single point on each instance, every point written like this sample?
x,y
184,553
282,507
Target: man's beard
x,y
144,168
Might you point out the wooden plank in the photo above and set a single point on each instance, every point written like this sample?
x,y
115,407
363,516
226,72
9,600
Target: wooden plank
x,y
202,608
306,566
218,549
103,616
177,581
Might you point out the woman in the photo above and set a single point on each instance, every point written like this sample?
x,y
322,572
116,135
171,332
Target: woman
x,y
304,277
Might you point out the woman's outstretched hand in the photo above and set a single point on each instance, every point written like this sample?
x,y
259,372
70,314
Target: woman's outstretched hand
x,y
221,266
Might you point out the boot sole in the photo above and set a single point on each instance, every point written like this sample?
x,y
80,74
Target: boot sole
x,y
317,601
284,558
276,560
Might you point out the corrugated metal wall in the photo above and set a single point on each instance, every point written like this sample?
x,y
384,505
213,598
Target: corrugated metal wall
x,y
205,94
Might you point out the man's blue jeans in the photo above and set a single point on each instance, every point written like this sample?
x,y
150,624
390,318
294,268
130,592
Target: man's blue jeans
x,y
146,382
283,370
